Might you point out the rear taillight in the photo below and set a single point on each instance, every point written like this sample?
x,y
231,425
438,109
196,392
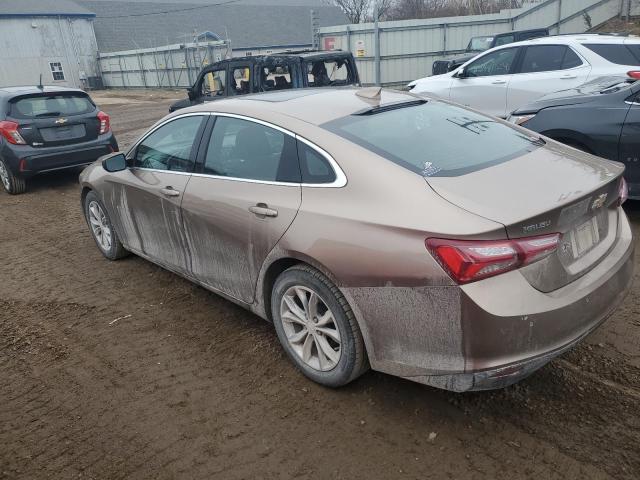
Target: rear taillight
x,y
105,123
9,130
623,191
634,74
470,260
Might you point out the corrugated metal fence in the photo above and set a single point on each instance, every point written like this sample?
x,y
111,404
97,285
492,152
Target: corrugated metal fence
x,y
171,66
409,47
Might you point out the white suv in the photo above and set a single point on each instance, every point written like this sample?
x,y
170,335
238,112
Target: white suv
x,y
505,78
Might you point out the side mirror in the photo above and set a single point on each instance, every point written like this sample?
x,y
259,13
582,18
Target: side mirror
x,y
115,163
191,94
461,73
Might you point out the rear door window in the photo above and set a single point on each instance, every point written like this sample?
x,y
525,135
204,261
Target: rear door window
x,y
248,150
276,77
547,58
240,80
55,105
435,139
617,53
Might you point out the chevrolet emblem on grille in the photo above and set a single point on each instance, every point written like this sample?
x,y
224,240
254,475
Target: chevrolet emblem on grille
x,y
61,121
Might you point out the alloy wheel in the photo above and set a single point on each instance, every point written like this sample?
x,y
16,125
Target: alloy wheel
x,y
100,226
310,328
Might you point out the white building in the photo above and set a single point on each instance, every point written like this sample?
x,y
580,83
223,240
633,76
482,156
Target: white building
x,y
52,38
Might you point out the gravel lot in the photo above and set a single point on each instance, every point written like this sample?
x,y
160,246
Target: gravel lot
x,y
123,370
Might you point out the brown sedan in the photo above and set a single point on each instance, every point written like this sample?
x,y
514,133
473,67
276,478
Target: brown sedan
x,y
412,235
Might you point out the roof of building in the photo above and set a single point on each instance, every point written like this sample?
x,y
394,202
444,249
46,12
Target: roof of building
x,y
133,24
43,8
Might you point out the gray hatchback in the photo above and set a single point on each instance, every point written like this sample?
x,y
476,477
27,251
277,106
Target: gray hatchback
x,y
48,128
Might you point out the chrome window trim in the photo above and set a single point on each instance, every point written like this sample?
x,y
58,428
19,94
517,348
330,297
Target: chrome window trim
x,y
339,182
157,170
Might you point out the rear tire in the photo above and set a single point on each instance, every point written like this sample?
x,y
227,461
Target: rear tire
x,y
101,228
11,183
317,328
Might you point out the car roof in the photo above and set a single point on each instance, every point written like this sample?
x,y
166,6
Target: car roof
x,y
576,38
31,89
311,105
292,55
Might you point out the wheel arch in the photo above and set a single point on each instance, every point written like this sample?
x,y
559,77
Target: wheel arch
x,y
278,264
570,138
280,260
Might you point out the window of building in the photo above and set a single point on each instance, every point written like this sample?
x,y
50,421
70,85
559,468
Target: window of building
x,y
56,71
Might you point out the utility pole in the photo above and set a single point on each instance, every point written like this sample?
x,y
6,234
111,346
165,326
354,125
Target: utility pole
x,y
377,41
315,26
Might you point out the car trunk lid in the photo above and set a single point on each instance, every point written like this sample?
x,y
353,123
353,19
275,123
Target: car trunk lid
x,y
553,189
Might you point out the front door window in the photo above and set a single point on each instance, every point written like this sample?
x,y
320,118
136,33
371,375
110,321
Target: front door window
x,y
495,63
213,84
170,146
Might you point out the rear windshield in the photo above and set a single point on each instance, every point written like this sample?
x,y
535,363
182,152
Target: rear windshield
x,y
618,53
435,139
53,105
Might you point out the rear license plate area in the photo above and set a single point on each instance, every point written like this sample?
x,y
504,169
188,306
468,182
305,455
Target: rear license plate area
x,y
584,237
55,134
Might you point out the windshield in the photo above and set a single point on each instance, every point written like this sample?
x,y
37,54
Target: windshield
x,y
435,139
51,105
479,44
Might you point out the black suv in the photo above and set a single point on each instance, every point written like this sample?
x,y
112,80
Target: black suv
x,y
48,128
265,73
478,45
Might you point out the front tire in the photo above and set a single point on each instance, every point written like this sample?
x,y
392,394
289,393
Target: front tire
x,y
317,328
102,229
13,184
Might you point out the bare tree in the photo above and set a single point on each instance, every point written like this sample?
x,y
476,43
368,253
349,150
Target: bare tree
x,y
403,9
359,11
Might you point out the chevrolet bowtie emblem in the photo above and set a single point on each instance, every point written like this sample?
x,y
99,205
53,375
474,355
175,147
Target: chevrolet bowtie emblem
x,y
599,201
61,121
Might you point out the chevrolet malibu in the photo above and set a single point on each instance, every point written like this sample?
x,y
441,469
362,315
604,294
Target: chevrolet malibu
x,y
376,228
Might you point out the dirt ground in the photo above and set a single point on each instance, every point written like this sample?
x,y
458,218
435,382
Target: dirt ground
x,y
114,370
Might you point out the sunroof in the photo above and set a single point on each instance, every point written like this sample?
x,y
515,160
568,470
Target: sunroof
x,y
281,96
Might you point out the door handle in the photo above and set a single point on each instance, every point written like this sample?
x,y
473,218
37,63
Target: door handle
x,y
568,77
499,82
263,210
169,192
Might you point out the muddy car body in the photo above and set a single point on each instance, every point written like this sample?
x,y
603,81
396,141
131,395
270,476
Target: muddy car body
x,y
266,73
466,274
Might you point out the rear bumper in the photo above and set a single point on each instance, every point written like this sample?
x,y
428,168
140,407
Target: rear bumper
x,y
25,161
491,333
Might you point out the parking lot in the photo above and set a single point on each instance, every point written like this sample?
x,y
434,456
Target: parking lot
x,y
123,370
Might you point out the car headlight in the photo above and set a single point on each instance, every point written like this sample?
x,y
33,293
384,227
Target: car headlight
x,y
520,119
